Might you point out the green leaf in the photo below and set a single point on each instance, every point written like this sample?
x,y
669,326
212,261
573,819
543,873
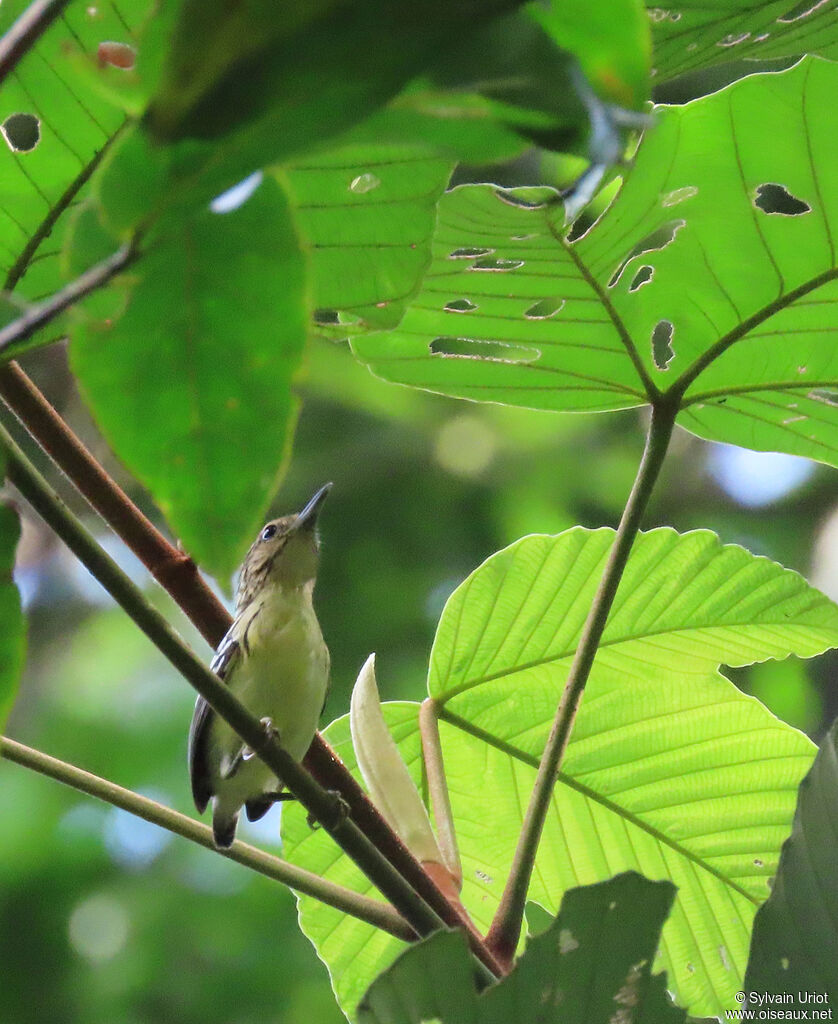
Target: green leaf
x,y
75,124
188,367
686,603
794,947
714,273
12,625
694,35
590,967
670,770
367,214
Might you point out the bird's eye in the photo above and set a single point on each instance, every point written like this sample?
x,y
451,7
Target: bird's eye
x,y
269,531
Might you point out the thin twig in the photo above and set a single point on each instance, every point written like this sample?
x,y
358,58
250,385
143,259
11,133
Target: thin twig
x,y
374,912
37,316
324,806
26,31
503,935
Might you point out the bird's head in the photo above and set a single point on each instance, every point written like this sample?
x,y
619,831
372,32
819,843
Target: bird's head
x,y
285,554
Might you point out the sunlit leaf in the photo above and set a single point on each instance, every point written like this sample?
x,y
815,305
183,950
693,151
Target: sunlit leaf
x,y
713,273
670,771
592,964
74,122
691,35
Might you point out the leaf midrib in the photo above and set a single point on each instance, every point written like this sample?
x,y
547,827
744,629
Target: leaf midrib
x,y
517,754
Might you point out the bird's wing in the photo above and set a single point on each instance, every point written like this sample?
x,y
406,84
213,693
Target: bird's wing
x,y
226,656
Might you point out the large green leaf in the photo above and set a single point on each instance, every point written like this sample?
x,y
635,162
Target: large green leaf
x,y
192,382
368,213
591,966
12,626
713,272
693,35
794,947
686,603
670,770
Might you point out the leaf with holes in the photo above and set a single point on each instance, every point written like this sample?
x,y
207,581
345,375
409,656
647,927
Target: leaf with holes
x,y
54,129
12,625
368,214
188,362
591,966
692,35
712,277
670,770
794,947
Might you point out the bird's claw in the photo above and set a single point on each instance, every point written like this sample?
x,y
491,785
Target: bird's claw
x,y
341,811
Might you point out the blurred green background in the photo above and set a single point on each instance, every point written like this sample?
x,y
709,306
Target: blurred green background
x,y
105,918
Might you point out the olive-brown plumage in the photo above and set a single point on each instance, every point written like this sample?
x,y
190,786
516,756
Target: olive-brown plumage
x,y
275,659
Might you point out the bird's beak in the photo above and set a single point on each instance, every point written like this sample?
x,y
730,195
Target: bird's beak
x,y
307,519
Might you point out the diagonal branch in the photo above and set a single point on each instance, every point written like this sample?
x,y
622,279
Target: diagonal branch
x,y
372,911
502,938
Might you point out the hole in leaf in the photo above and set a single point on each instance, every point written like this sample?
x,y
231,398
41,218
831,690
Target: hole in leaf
x,y
519,200
544,309
238,195
678,195
643,276
734,39
469,254
523,238
801,10
659,14
486,351
824,395
662,351
496,264
325,316
22,132
460,306
654,242
772,198
364,183
118,55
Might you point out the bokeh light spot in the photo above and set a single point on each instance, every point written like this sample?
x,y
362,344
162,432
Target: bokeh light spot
x,y
465,445
98,927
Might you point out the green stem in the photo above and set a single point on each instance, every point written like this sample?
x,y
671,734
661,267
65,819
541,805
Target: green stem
x,y
502,937
372,911
324,806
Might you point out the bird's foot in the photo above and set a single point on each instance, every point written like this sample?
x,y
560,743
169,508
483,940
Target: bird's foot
x,y
339,813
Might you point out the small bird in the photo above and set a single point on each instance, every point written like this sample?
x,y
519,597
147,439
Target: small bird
x,y
275,660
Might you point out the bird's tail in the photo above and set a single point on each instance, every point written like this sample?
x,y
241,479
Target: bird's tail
x,y
223,826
